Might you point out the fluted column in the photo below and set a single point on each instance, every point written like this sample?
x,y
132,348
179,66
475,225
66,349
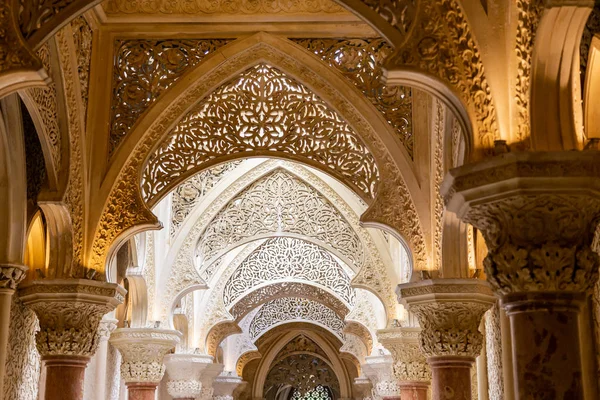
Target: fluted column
x,y
142,353
10,277
185,374
69,313
410,366
538,213
449,312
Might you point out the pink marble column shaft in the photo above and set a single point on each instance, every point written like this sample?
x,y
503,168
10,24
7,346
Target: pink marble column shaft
x,y
413,390
451,377
141,391
546,351
64,377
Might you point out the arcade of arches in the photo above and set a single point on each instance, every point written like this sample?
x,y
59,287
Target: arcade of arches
x,y
299,199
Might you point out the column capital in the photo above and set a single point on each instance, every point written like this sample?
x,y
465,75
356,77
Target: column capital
x,y
225,385
69,312
143,351
449,312
11,275
184,372
410,364
538,213
106,327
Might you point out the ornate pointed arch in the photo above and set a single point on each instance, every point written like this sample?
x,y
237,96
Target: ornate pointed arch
x,y
125,210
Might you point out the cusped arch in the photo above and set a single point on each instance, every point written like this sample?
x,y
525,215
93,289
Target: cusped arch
x,y
372,131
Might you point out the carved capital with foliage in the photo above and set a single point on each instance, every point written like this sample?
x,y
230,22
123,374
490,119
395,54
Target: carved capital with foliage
x,y
449,312
409,364
538,213
184,371
11,275
143,351
69,312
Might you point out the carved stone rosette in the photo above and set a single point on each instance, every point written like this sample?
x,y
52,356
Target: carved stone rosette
x,y
184,372
538,213
449,312
143,350
69,312
11,275
410,364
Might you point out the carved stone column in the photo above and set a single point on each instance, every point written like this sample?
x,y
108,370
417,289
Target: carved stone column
x,y
410,366
184,372
69,312
142,351
10,277
538,213
95,373
380,371
225,385
449,312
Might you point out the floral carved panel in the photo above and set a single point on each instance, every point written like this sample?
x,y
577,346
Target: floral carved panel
x,y
143,70
361,62
293,309
262,111
288,258
280,203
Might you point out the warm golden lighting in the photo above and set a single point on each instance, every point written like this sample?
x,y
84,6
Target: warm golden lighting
x,y
36,256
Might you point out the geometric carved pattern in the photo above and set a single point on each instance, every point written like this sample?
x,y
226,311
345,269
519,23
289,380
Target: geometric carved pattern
x,y
304,372
294,309
288,258
361,61
261,111
143,70
280,203
189,193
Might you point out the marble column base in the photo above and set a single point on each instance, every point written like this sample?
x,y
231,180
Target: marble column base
x,y
413,390
451,377
64,377
141,390
545,342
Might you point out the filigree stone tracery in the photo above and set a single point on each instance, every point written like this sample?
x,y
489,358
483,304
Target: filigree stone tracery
x,y
187,195
143,70
304,372
293,309
285,258
361,61
261,111
277,203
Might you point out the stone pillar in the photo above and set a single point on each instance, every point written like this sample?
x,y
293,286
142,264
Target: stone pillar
x,y
95,373
538,213
142,352
449,312
10,276
225,385
409,364
69,312
185,372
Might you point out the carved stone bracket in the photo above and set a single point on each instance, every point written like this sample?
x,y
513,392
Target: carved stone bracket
x,y
143,350
69,312
538,213
184,372
11,275
449,312
410,364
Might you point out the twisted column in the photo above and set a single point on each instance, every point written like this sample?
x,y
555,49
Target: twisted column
x,y
69,312
449,312
10,276
185,374
410,368
142,351
538,213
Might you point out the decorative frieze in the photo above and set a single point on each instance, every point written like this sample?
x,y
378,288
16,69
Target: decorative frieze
x,y
142,351
69,312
